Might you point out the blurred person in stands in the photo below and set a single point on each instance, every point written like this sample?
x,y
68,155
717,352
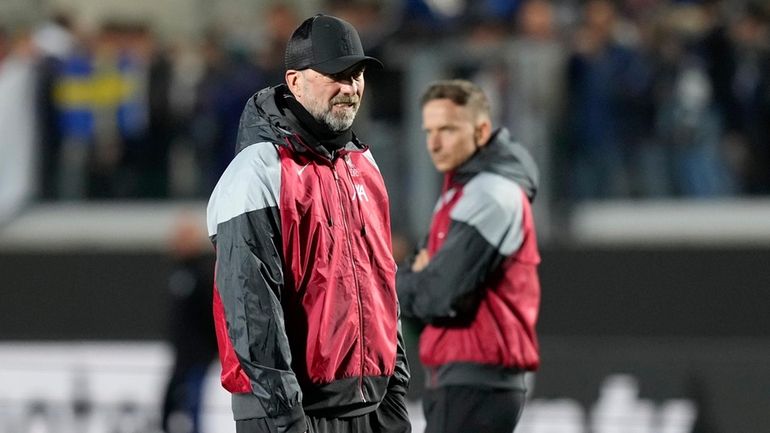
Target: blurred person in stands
x,y
94,84
749,118
72,92
206,128
475,284
305,300
100,97
689,122
229,77
600,72
537,60
18,145
375,25
279,21
56,40
119,103
146,117
191,327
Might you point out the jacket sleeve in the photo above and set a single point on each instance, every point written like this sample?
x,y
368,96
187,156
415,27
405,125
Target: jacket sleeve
x,y
399,382
485,229
392,414
244,217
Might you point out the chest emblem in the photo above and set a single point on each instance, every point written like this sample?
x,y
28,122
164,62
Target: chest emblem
x,y
359,193
353,169
300,170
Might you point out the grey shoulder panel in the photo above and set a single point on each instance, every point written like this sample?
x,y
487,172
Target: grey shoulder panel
x,y
493,205
251,182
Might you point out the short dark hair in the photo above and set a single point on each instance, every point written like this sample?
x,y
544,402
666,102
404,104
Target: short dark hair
x,y
462,92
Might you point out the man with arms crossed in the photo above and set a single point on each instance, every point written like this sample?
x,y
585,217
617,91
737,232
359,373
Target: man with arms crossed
x,y
305,304
475,284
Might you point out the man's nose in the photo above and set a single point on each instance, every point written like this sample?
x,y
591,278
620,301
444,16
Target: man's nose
x,y
434,143
348,87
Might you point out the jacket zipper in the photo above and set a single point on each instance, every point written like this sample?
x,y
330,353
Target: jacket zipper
x,y
343,200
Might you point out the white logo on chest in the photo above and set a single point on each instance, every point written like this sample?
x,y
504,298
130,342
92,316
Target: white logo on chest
x,y
353,170
300,170
359,192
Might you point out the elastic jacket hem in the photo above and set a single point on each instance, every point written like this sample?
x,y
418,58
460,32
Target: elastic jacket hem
x,y
482,375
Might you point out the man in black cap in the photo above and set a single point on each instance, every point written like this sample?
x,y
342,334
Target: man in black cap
x,y
305,304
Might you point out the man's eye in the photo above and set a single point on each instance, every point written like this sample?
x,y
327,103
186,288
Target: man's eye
x,y
344,76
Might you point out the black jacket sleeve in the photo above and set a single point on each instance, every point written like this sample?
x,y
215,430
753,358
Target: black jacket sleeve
x,y
249,278
399,382
392,415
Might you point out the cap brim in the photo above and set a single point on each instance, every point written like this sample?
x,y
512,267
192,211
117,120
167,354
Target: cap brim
x,y
340,64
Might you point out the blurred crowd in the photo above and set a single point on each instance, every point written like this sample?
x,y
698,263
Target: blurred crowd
x,y
633,98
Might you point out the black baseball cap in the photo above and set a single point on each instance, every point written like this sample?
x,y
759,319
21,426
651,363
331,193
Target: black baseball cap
x,y
326,44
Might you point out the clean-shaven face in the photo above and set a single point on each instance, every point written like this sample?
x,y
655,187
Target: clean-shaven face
x,y
333,99
450,133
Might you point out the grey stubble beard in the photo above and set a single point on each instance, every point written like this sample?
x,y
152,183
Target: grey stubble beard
x,y
325,114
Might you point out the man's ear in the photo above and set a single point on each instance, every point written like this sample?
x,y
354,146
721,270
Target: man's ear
x,y
483,132
292,78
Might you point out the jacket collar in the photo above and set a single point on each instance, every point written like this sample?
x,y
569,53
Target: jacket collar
x,y
505,157
268,117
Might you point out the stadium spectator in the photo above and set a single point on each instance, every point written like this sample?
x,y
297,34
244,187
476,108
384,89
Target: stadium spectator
x,y
279,21
600,71
537,60
148,119
750,91
229,78
56,41
191,327
689,124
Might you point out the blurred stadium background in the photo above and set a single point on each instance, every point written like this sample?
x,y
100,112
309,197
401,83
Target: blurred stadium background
x,y
650,120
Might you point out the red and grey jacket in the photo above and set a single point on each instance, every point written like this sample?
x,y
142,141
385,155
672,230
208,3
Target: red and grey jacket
x,y
305,304
480,293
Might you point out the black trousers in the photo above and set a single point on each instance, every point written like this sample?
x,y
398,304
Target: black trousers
x,y
468,409
390,417
359,424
